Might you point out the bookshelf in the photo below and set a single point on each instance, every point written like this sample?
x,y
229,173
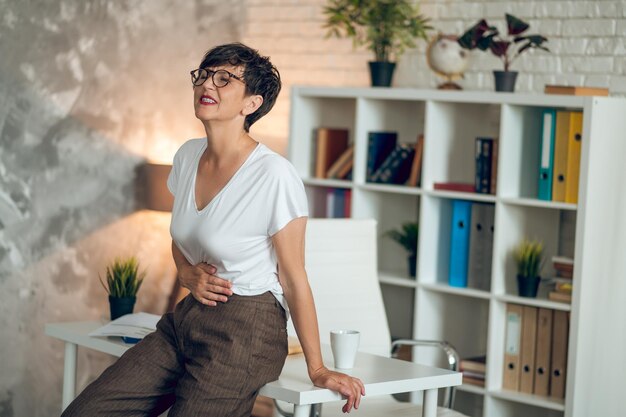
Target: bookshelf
x,y
593,231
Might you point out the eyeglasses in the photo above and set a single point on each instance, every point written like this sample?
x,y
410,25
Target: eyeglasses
x,y
220,78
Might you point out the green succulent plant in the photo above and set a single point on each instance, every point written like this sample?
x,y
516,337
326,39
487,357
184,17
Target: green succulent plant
x,y
406,237
386,27
123,278
529,258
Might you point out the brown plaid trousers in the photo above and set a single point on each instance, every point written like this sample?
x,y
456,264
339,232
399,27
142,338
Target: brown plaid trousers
x,y
201,361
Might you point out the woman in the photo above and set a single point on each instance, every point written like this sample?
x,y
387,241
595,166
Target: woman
x,y
238,227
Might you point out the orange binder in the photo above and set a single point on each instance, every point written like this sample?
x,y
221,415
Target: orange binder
x,y
511,375
573,156
331,143
561,141
543,352
527,356
560,331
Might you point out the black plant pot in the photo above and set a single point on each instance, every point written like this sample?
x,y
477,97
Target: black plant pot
x,y
527,286
505,80
412,265
121,306
381,73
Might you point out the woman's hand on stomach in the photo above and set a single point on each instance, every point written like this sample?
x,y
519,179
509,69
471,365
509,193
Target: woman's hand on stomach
x,y
205,287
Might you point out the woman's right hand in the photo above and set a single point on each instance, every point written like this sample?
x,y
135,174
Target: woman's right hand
x,y
203,285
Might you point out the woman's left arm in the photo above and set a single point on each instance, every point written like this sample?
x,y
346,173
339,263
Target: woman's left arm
x,y
289,246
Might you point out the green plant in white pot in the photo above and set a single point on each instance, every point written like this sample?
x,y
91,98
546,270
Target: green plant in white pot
x,y
385,27
123,280
528,257
406,237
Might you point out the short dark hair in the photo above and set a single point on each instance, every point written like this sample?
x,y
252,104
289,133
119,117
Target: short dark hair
x,y
260,75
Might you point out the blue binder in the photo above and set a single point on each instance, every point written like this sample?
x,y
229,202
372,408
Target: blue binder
x,y
459,243
546,163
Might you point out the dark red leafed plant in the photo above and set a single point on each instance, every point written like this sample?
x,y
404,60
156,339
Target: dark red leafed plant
x,y
483,37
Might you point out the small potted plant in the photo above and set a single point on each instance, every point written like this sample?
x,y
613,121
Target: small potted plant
x,y
386,27
123,280
528,257
407,238
508,49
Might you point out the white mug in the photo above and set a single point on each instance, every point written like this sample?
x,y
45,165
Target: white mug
x,y
344,344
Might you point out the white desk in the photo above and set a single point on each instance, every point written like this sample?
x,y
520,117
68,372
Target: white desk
x,y
379,374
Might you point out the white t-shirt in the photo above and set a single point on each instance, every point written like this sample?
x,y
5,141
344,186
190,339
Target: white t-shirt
x,y
233,232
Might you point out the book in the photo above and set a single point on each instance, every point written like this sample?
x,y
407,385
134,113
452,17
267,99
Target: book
x,y
459,243
575,90
548,123
483,155
475,364
416,168
130,327
494,167
379,146
395,169
330,143
473,374
465,187
564,266
473,381
338,167
560,297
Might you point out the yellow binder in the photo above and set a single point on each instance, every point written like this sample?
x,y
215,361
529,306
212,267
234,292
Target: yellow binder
x,y
573,157
561,140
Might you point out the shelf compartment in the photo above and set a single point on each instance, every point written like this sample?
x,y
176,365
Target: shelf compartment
x,y
465,292
469,400
398,278
317,197
399,305
535,302
556,404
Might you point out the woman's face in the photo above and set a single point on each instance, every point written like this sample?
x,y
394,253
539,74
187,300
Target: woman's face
x,y
229,102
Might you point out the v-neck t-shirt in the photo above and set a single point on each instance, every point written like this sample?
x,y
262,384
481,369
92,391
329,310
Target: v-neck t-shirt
x,y
233,232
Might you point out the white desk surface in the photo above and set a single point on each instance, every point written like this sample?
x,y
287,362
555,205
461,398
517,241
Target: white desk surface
x,y
380,375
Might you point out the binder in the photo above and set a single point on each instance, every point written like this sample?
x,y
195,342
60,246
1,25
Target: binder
x,y
480,246
573,156
559,178
484,156
330,144
548,122
459,243
527,357
543,352
511,374
559,354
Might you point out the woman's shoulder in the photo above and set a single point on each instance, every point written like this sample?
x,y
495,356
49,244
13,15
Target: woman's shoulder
x,y
189,149
273,163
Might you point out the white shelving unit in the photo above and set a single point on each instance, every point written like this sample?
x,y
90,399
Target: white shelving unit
x,y
592,231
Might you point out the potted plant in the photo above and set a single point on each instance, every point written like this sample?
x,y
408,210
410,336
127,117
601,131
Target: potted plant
x,y
508,49
385,27
123,280
528,257
407,238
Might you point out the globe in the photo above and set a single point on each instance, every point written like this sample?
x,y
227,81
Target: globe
x,y
447,59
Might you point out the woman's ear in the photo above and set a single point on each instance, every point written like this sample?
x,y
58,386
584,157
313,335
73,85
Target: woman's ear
x,y
252,104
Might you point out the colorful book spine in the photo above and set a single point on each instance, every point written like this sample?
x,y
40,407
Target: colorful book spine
x,y
379,146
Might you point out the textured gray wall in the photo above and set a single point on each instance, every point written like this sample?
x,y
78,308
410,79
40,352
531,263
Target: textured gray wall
x,y
88,90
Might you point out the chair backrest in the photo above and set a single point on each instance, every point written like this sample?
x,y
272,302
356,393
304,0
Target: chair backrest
x,y
341,263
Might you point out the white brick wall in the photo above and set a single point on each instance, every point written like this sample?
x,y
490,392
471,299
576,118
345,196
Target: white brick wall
x,y
587,40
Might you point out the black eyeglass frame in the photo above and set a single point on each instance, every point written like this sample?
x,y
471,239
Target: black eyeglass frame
x,y
211,74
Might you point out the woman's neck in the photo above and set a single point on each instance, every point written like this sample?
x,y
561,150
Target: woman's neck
x,y
226,142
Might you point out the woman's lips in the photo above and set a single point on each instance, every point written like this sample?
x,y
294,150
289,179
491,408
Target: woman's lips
x,y
207,101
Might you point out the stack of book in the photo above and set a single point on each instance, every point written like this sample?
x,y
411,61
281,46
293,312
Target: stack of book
x,y
334,156
389,162
535,350
559,165
474,370
563,282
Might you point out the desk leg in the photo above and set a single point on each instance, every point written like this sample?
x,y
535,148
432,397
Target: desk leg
x,y
69,375
301,410
429,407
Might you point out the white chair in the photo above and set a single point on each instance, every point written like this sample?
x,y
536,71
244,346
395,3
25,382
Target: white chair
x,y
341,263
